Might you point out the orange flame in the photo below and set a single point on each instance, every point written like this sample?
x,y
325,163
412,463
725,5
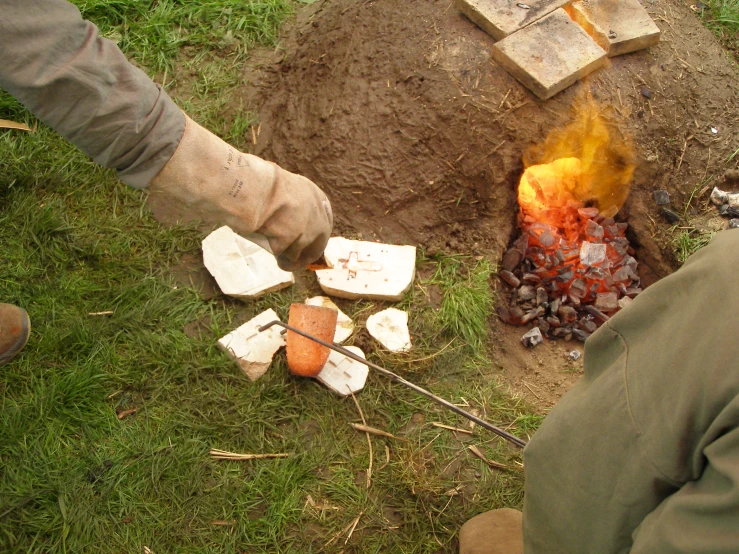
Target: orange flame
x,y
587,163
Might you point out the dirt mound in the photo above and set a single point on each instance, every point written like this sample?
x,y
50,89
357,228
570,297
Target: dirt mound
x,y
397,110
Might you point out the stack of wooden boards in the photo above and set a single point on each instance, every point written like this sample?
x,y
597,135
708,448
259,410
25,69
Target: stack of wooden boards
x,y
548,45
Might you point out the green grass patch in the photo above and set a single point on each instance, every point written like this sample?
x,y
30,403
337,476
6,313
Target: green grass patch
x,y
689,241
722,17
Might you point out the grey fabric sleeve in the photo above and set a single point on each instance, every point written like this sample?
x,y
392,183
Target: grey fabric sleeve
x,y
83,87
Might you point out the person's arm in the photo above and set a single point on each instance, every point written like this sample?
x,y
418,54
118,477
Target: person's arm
x,y
82,86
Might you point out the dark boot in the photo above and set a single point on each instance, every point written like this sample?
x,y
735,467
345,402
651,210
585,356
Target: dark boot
x,y
15,327
493,532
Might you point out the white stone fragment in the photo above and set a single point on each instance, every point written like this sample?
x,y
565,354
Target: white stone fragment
x,y
718,196
343,375
390,328
251,350
623,302
242,268
344,324
532,338
592,253
361,269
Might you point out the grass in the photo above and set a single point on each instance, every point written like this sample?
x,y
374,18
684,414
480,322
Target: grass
x,y
688,241
722,17
74,241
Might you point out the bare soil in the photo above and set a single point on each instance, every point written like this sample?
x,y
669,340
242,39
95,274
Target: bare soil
x,y
398,112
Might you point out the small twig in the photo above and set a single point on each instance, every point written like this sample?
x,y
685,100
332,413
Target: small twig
x,y
682,155
222,523
351,532
253,135
108,312
477,452
344,530
373,431
525,384
224,455
450,428
369,439
125,413
6,124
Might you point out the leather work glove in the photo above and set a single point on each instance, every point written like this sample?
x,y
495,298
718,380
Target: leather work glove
x,y
214,182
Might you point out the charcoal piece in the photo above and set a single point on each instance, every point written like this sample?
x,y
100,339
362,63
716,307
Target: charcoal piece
x,y
580,335
632,292
541,297
578,288
575,300
592,253
567,314
588,213
670,216
566,275
646,93
526,292
719,197
553,321
508,277
622,274
511,259
533,314
546,239
543,325
574,355
734,224
596,313
532,338
562,332
606,301
531,278
554,306
511,315
593,230
623,302
568,337
661,197
559,256
587,325
541,272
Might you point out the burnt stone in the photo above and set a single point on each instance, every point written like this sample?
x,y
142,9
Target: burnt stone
x,y
511,259
543,324
645,92
508,277
554,306
606,301
562,332
553,321
580,335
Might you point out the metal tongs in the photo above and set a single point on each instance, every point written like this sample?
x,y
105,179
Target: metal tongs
x,y
398,379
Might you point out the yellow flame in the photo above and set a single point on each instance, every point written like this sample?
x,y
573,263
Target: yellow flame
x,y
589,162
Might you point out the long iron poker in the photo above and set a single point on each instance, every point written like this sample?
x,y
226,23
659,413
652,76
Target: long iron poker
x,y
398,379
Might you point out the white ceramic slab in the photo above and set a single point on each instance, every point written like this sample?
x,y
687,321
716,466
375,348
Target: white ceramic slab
x,y
241,268
343,375
362,269
251,350
390,328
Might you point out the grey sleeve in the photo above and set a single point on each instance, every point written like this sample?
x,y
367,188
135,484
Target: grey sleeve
x,y
83,87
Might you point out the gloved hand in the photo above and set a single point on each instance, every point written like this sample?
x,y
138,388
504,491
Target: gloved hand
x,y
222,185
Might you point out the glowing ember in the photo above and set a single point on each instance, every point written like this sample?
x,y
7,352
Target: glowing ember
x,y
572,266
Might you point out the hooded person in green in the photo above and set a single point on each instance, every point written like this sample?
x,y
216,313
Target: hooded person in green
x,y
642,455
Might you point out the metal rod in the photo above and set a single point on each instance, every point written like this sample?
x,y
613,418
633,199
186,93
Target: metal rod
x,y
398,379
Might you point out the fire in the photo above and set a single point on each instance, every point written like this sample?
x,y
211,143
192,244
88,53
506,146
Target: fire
x,y
573,257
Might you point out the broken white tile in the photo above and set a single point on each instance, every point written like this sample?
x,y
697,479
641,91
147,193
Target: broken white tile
x,y
390,328
240,267
361,269
251,350
344,324
343,375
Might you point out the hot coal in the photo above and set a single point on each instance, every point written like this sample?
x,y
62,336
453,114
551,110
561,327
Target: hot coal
x,y
568,280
